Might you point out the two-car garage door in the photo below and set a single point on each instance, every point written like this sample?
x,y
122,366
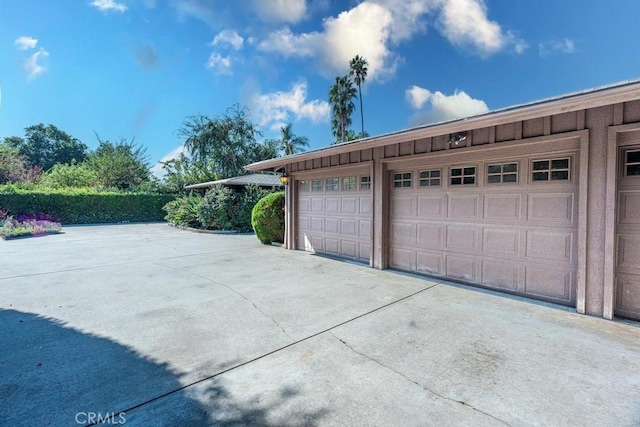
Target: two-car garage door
x,y
505,223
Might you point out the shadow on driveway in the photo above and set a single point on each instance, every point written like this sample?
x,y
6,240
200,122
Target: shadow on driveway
x,y
52,374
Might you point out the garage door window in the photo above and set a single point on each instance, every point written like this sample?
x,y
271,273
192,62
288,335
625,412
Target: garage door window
x,y
332,184
430,178
316,185
365,182
550,170
402,180
504,172
632,163
463,176
304,186
349,183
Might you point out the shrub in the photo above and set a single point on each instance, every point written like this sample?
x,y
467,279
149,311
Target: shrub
x,y
183,211
218,208
267,218
84,206
225,209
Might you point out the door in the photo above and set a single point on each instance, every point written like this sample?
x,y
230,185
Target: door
x,y
508,224
334,214
628,235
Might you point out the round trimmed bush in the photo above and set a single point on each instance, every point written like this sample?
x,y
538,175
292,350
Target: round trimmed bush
x,y
267,218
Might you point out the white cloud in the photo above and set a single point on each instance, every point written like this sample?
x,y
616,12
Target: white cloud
x,y
292,11
158,170
373,28
465,24
32,65
198,9
417,96
25,42
288,44
363,30
109,5
229,38
562,46
219,64
442,107
276,109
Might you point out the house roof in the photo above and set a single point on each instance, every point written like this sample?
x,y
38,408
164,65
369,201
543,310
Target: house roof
x,y
261,179
592,98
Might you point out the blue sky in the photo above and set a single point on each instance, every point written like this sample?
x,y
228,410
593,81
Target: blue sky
x,y
138,68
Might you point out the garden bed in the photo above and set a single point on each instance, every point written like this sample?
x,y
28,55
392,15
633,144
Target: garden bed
x,y
27,226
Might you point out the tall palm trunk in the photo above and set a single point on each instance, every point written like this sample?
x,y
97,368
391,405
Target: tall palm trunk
x,y
361,112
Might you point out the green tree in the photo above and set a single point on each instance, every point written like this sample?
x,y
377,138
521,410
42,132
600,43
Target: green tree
x,y
71,175
358,70
12,164
184,170
290,143
341,97
227,142
123,165
45,146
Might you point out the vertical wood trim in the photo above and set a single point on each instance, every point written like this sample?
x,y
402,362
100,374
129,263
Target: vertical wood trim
x,y
618,114
492,134
518,130
378,237
583,204
609,289
547,125
469,140
289,214
581,117
429,145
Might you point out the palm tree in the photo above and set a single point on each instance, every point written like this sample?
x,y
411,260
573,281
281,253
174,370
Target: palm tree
x,y
358,69
341,97
291,143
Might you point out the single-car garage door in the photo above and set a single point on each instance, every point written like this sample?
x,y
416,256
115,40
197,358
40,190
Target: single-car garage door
x,y
628,235
334,214
507,223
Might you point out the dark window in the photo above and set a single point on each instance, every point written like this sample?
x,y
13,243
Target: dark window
x,y
632,163
463,176
402,180
505,172
430,178
365,182
551,170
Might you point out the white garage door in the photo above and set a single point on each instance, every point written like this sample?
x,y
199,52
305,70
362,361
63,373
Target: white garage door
x,y
334,215
507,224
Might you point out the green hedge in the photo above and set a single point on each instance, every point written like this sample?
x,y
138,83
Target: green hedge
x,y
84,206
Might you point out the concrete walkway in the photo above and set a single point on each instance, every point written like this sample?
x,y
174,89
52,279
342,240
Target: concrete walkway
x,y
144,324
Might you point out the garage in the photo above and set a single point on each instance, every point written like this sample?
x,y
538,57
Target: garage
x,y
334,214
539,200
506,223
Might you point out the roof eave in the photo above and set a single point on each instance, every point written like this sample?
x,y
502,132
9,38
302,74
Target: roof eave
x,y
567,103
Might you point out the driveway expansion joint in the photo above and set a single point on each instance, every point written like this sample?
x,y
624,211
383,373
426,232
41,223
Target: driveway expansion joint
x,y
425,388
241,295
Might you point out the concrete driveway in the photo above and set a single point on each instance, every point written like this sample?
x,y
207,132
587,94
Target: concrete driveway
x,y
145,324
